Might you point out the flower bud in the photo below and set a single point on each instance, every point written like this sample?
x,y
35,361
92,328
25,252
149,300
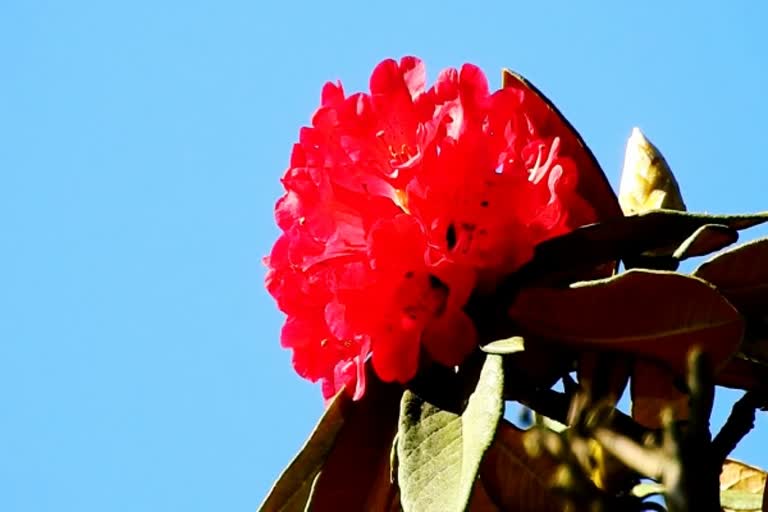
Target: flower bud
x,y
647,182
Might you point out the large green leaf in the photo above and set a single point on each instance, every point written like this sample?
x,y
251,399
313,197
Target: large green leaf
x,y
659,315
345,459
439,452
657,231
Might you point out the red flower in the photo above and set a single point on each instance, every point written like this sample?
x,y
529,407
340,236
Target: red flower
x,y
402,202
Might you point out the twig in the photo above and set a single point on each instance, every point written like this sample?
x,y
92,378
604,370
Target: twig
x,y
739,423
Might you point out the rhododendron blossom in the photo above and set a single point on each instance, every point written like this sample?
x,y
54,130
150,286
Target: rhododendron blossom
x,y
402,202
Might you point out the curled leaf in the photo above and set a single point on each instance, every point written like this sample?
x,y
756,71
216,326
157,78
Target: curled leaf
x,y
706,240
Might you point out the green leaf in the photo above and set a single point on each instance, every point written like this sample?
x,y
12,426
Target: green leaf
x,y
657,231
346,459
741,501
506,346
439,452
647,489
660,315
742,487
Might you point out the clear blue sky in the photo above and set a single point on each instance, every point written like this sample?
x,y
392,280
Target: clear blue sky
x,y
141,144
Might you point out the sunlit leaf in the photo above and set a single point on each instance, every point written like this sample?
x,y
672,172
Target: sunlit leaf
x,y
505,346
647,182
439,452
647,489
742,487
659,315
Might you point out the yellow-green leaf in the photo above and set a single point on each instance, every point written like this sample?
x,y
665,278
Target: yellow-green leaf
x,y
742,487
647,182
506,346
439,452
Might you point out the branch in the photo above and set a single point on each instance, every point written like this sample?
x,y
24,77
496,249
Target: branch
x,y
739,423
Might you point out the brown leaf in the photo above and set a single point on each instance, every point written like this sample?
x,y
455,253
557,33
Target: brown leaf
x,y
654,387
605,374
291,490
512,480
741,275
345,459
706,240
357,470
741,373
654,314
743,484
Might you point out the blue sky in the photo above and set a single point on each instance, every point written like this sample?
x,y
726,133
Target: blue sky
x,y
140,149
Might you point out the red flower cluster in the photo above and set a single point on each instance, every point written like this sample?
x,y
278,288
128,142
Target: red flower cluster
x,y
402,202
